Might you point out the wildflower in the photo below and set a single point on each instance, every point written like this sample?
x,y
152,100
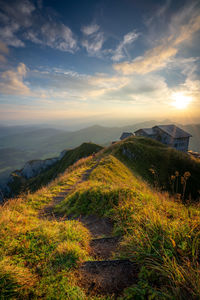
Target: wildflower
x,y
152,171
187,175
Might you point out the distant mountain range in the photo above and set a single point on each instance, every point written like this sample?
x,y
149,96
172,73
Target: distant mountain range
x,y
22,143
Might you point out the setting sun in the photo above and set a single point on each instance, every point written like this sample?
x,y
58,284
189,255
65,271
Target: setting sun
x,y
181,101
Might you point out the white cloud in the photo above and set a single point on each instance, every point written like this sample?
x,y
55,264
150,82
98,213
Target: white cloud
x,y
94,45
54,35
93,39
90,29
72,86
12,81
22,21
128,39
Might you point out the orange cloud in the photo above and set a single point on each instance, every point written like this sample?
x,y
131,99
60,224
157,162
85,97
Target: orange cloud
x,y
153,59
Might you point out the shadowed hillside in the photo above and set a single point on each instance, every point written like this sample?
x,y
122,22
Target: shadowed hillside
x,y
157,163
19,183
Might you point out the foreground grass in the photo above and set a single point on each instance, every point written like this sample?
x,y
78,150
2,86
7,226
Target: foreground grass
x,y
38,257
162,235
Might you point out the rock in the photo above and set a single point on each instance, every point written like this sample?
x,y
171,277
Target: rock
x,y
31,169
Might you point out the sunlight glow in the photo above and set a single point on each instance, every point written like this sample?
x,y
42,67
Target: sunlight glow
x,y
181,101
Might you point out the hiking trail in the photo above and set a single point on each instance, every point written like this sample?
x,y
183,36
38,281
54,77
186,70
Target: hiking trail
x,y
103,275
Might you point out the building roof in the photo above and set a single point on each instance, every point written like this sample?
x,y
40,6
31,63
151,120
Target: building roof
x,y
173,131
148,131
125,135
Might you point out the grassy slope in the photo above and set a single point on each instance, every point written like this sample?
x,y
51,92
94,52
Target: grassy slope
x,y
161,234
141,154
20,184
37,257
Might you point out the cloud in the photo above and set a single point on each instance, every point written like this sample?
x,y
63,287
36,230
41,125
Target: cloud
x,y
3,48
12,81
128,39
90,29
15,16
153,59
62,85
138,89
3,51
159,13
21,21
8,35
65,88
18,11
93,39
182,28
54,35
191,88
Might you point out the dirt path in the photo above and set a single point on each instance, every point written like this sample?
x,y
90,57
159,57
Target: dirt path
x,y
104,275
48,211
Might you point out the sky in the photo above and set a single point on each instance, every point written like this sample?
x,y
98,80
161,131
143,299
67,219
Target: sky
x,y
99,60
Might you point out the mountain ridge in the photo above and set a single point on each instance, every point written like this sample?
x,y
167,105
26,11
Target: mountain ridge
x,y
47,243
44,146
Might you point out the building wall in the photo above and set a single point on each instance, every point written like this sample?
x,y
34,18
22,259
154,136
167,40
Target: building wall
x,y
140,133
163,137
180,144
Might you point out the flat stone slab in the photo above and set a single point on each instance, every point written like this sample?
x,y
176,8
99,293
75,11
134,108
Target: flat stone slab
x,y
108,276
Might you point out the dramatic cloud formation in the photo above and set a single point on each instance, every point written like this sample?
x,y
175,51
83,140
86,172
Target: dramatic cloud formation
x,y
181,29
134,64
12,81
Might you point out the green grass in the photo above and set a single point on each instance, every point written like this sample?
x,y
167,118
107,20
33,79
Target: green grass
x,y
39,258
159,233
141,154
21,185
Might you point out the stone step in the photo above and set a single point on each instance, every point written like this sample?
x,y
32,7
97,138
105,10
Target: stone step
x,y
108,276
